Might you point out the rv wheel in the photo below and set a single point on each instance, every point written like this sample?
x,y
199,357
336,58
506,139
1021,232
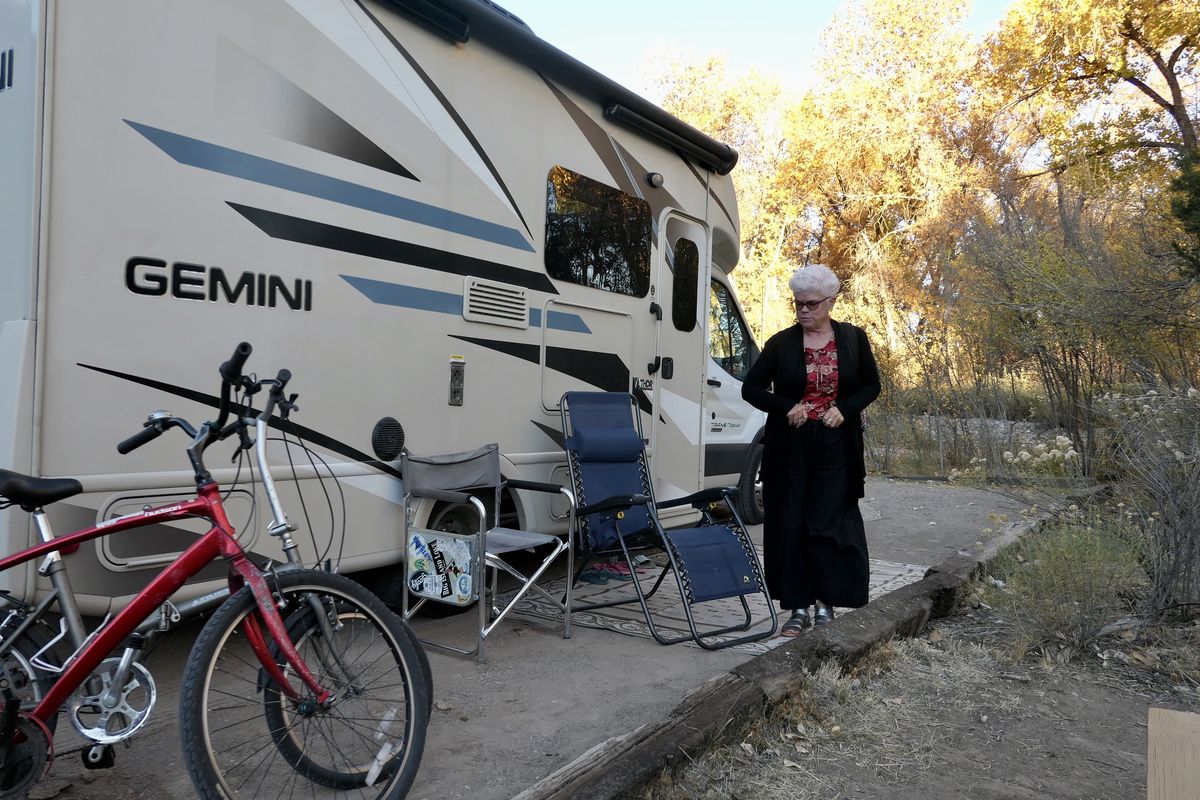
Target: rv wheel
x,y
750,502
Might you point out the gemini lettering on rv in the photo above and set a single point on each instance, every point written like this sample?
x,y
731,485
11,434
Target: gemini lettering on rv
x,y
154,277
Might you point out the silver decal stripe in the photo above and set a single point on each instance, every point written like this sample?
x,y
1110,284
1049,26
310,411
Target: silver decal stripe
x,y
402,296
215,158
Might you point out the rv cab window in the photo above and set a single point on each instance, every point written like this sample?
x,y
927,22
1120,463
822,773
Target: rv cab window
x,y
729,341
596,235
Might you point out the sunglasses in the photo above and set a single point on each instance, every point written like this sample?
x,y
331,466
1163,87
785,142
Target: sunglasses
x,y
802,305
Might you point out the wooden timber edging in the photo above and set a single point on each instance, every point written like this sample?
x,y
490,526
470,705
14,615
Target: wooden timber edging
x,y
625,762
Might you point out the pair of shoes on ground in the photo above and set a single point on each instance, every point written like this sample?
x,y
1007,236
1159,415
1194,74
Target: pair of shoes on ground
x,y
800,620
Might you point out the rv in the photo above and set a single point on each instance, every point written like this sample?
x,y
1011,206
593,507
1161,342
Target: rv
x,y
436,220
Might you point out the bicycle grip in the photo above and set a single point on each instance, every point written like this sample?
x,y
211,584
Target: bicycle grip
x,y
231,370
147,434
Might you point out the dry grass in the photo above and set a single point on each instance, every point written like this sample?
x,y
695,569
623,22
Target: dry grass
x,y
875,716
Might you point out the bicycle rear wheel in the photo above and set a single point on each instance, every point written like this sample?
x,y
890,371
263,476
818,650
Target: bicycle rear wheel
x,y
27,682
242,738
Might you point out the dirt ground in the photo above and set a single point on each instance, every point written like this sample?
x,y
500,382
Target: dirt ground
x,y
950,715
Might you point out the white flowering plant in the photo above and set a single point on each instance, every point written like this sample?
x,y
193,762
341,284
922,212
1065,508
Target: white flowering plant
x,y
1150,453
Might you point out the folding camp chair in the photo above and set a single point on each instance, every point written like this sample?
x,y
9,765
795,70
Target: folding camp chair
x,y
617,514
454,565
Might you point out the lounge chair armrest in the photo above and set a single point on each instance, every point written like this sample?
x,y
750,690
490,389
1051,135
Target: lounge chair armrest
x,y
700,499
533,486
615,503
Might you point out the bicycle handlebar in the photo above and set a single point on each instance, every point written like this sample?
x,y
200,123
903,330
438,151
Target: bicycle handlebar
x,y
231,379
147,434
231,370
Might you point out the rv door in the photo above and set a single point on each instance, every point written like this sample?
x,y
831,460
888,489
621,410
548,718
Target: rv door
x,y
679,379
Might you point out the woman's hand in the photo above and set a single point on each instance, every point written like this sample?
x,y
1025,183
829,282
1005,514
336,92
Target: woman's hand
x,y
833,417
798,415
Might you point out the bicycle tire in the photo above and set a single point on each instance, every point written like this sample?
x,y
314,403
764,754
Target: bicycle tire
x,y
242,738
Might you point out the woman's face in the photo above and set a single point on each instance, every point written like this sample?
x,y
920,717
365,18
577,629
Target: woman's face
x,y
813,308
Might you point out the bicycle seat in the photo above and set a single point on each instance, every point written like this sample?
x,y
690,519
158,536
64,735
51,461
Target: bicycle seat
x,y
31,493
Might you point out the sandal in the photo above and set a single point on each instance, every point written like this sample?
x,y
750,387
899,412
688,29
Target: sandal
x,y
796,624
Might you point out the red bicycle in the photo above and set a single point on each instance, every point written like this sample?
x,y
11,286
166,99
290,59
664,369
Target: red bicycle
x,y
301,683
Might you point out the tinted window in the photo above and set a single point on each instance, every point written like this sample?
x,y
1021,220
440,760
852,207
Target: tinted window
x,y
729,341
596,235
683,291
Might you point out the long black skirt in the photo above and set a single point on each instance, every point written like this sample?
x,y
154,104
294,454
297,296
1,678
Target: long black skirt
x,y
814,539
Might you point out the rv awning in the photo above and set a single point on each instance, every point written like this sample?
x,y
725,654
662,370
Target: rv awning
x,y
462,20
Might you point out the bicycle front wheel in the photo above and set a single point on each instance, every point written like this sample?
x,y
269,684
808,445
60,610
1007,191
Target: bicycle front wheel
x,y
243,738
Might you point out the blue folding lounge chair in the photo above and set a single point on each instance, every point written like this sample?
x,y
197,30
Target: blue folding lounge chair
x,y
617,514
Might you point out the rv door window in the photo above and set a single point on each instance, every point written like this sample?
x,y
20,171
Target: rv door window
x,y
729,342
596,235
686,267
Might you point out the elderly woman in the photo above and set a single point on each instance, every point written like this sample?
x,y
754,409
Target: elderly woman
x,y
813,380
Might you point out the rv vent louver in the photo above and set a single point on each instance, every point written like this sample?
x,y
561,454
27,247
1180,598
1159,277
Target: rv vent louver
x,y
497,303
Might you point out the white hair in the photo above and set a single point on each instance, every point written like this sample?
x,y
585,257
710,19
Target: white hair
x,y
815,278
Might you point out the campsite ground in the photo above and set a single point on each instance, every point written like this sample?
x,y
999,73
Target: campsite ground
x,y
950,715
940,717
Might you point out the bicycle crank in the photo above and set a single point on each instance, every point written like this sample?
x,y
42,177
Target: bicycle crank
x,y
108,716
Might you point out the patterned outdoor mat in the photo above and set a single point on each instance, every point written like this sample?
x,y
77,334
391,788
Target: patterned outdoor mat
x,y
667,607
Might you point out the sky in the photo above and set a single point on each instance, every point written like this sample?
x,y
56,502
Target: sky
x,y
779,37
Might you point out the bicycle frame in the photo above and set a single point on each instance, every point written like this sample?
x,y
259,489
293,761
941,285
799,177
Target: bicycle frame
x,y
218,541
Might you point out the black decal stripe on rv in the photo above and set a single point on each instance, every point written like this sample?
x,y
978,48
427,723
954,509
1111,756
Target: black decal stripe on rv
x,y
454,115
643,401
598,138
725,459
528,352
553,433
604,370
711,193
331,237
313,437
258,88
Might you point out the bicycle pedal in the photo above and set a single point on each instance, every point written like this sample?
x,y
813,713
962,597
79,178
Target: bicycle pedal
x,y
102,756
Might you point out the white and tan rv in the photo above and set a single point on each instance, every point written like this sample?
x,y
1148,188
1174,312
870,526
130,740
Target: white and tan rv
x,y
422,209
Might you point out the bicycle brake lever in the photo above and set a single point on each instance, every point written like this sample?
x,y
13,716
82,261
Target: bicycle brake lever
x,y
244,441
286,407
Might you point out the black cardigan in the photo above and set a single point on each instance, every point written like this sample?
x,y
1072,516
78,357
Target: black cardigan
x,y
776,382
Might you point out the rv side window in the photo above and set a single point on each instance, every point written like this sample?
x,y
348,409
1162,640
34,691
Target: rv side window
x,y
686,266
729,341
596,235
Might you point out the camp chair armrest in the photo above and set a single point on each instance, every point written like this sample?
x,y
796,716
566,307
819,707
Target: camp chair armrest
x,y
443,494
534,486
615,503
699,499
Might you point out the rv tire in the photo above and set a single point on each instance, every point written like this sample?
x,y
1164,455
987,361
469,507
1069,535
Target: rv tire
x,y
750,504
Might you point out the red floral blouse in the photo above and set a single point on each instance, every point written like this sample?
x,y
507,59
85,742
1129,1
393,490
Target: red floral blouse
x,y
821,389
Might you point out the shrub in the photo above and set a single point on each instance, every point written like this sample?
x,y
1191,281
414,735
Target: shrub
x,y
1153,449
1062,585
